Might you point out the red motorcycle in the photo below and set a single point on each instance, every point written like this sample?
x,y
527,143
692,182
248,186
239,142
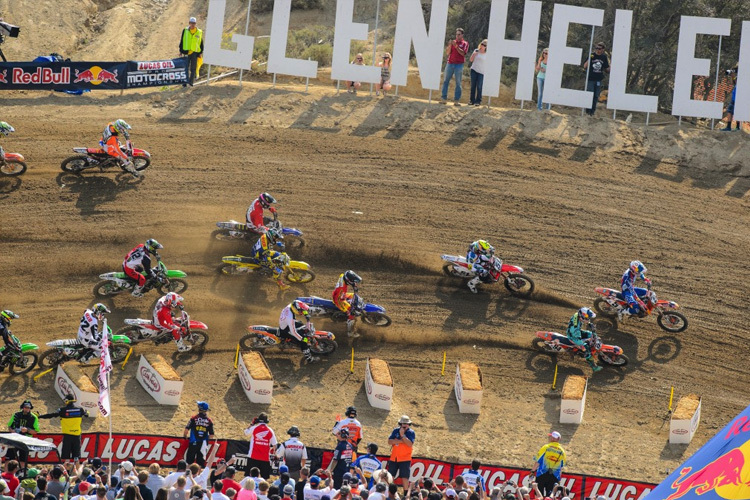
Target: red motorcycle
x,y
515,281
98,158
11,164
553,343
668,317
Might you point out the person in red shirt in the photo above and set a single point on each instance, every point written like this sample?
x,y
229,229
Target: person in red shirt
x,y
456,52
11,467
228,480
262,443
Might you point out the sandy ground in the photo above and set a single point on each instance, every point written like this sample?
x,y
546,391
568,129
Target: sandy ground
x,y
384,187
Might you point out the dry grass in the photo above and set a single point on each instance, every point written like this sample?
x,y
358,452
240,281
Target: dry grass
x,y
686,407
164,369
471,376
256,365
574,387
381,372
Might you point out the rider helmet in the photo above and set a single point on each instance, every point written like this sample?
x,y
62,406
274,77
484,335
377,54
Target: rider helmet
x,y
99,309
299,307
174,299
293,431
637,267
483,247
352,279
7,316
152,245
272,235
586,314
351,412
121,126
6,128
266,200
203,406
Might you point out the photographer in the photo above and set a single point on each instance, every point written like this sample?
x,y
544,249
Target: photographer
x,y
730,107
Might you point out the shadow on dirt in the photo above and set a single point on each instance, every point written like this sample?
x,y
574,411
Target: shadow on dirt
x,y
400,115
93,190
153,411
9,185
455,420
364,259
15,386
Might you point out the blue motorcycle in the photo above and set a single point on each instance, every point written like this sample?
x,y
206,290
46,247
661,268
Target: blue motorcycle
x,y
371,314
233,230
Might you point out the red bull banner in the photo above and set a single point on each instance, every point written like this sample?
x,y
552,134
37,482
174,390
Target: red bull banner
x,y
91,75
720,470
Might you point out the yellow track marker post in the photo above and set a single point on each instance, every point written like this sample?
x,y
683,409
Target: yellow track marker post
x,y
442,370
671,396
237,356
126,359
554,379
351,366
45,372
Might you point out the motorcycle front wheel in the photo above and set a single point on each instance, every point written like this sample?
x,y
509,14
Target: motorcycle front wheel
x,y
376,319
226,235
175,285
252,342
450,270
107,288
25,363
292,242
612,360
51,359
139,162
75,164
13,168
299,276
117,352
197,340
323,346
540,345
672,321
604,308
519,285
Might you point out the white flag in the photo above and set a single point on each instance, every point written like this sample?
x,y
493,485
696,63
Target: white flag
x,y
105,366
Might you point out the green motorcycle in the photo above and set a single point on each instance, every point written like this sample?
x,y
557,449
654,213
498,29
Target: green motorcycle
x,y
163,279
20,358
72,350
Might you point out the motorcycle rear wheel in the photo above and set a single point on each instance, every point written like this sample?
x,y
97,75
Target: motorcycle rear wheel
x,y
323,346
12,168
107,288
75,164
620,360
251,342
197,340
541,345
51,359
117,352
25,363
175,285
376,319
519,285
450,270
604,308
677,324
130,332
299,276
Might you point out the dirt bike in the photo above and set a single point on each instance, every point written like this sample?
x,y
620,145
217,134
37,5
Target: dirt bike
x,y
553,343
668,317
11,164
143,330
73,350
513,278
294,271
371,314
98,158
233,230
19,357
163,279
263,337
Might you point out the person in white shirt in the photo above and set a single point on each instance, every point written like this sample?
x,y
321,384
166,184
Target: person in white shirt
x,y
217,494
155,480
172,477
477,73
379,493
293,452
311,491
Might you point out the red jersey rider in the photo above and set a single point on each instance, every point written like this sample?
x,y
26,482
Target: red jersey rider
x,y
344,300
254,216
164,319
111,144
139,260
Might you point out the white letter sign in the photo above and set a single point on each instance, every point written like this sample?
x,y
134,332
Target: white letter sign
x,y
241,58
278,62
345,32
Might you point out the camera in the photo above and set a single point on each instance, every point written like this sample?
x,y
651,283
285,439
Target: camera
x,y
731,71
7,29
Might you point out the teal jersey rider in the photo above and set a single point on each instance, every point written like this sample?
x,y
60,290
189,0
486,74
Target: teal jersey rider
x,y
578,336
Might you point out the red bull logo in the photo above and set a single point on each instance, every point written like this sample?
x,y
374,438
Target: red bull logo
x,y
96,76
724,476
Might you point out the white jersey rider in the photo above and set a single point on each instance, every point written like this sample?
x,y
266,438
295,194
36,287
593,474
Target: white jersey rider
x,y
89,333
295,330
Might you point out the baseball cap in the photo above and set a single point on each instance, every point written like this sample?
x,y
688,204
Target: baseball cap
x,y
463,496
83,487
450,492
347,475
380,487
128,466
288,489
4,486
32,473
283,469
554,435
193,20
315,480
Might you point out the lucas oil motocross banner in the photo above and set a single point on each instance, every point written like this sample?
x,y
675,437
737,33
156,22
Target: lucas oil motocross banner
x,y
92,75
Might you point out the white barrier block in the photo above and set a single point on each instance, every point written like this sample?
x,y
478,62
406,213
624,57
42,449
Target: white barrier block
x,y
255,377
685,419
573,399
80,386
379,387
159,379
468,390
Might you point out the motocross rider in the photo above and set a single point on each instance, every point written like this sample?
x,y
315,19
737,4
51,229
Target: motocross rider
x,y
6,317
343,299
294,330
580,337
630,292
265,255
5,129
89,333
111,144
254,215
140,258
164,319
478,257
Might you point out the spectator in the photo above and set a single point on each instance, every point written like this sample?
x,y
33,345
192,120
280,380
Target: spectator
x,y
248,491
351,424
359,60
101,493
393,492
125,471
162,494
342,458
311,491
402,444
27,424
4,490
200,429
28,483
230,493
541,72
11,466
155,481
131,492
477,73
229,482
262,441
385,75
474,479
730,107
459,484
549,463
366,465
299,487
255,476
382,476
83,491
56,484
288,492
283,479
171,479
293,453
450,494
263,487
454,68
191,45
146,493
41,486
177,492
597,65
379,493
70,423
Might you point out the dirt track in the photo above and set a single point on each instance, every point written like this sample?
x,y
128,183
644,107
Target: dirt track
x,y
572,217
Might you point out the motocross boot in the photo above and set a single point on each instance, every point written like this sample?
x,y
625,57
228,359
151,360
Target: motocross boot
x,y
594,367
309,358
282,286
131,169
350,328
472,284
181,347
137,291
